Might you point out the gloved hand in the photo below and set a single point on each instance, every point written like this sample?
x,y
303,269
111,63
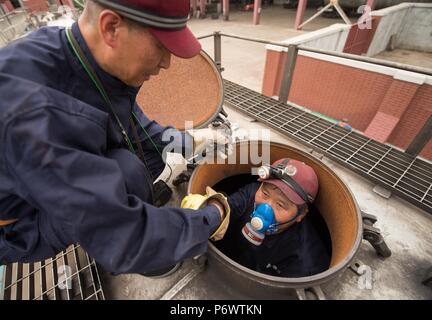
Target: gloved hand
x,y
210,138
198,201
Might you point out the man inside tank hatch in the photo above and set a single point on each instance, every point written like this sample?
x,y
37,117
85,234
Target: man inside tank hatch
x,y
79,159
274,227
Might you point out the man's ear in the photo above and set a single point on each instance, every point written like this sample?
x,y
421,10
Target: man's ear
x,y
109,26
302,215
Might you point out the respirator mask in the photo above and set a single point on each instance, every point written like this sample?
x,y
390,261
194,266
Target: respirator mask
x,y
263,221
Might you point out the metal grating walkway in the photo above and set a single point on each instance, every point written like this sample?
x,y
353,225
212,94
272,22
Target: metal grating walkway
x,y
70,275
405,175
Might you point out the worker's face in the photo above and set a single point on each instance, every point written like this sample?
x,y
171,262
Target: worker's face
x,y
284,210
140,56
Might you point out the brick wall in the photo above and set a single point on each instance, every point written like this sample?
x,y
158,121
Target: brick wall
x,y
338,91
418,111
359,39
384,108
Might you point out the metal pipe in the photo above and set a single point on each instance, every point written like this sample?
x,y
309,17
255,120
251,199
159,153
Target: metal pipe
x,y
202,6
257,12
225,9
315,15
193,5
397,65
301,8
205,36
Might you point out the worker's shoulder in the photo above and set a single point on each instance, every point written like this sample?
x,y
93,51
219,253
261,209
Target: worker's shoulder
x,y
40,56
44,41
44,37
22,97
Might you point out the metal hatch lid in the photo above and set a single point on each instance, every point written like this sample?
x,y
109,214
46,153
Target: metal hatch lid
x,y
189,90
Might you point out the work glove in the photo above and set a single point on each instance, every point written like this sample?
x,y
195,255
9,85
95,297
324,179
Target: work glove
x,y
198,201
211,140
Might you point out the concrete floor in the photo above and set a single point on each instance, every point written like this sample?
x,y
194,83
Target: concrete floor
x,y
406,229
415,58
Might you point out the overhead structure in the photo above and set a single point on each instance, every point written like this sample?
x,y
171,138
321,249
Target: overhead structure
x,y
302,7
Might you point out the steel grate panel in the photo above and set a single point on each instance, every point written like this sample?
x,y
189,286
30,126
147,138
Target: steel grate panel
x,y
70,275
407,176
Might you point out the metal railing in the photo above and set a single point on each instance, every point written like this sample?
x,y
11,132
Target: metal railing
x,y
418,142
70,275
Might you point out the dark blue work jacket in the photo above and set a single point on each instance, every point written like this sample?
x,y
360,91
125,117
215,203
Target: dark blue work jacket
x,y
66,174
302,250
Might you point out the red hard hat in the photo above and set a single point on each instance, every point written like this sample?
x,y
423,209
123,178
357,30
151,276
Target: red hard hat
x,y
303,174
166,20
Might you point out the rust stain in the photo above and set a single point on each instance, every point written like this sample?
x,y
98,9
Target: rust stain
x,y
190,90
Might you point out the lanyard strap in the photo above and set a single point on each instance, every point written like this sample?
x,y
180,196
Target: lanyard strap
x,y
97,83
100,88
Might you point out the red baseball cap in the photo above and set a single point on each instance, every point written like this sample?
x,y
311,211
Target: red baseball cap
x,y
166,20
301,173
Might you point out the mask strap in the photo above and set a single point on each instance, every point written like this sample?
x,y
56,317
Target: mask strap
x,y
299,213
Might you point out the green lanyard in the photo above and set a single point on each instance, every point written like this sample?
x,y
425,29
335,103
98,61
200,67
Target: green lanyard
x,y
98,84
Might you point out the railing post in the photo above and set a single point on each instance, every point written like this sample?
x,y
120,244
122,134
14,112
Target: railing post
x,y
218,50
288,73
421,139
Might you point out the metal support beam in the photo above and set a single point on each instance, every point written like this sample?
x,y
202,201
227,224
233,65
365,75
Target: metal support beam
x,y
301,8
288,73
342,13
257,12
225,9
193,4
421,139
371,4
202,9
315,15
332,3
218,50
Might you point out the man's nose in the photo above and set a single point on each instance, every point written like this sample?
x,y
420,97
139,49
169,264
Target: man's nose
x,y
267,201
166,60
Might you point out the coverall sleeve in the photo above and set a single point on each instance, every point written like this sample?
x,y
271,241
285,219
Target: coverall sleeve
x,y
242,201
56,157
179,141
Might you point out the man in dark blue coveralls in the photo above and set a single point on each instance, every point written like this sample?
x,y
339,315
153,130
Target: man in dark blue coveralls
x,y
275,228
68,174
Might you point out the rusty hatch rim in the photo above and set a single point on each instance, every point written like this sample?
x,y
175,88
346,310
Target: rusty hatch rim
x,y
221,96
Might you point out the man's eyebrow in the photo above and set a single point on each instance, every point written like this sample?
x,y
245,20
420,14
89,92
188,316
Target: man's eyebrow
x,y
283,199
269,185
